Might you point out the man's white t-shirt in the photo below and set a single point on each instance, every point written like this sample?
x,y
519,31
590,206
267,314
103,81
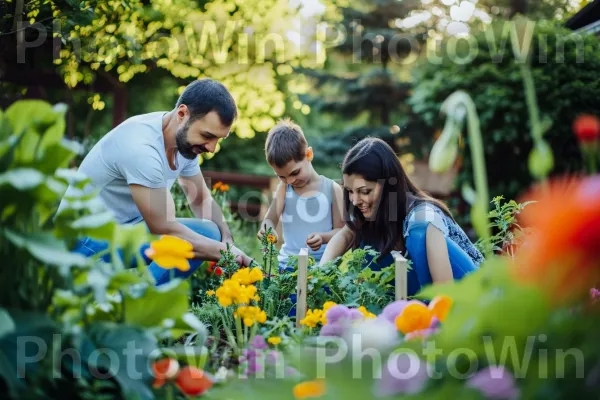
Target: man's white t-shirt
x,y
131,153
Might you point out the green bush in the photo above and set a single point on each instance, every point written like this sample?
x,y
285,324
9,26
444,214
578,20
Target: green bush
x,y
566,83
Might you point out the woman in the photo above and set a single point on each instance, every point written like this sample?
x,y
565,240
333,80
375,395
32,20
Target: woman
x,y
386,211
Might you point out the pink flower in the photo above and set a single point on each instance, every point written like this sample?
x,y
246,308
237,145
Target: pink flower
x,y
494,382
594,295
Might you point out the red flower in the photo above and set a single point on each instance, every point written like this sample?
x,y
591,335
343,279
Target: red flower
x,y
193,381
211,266
164,370
587,128
219,271
561,257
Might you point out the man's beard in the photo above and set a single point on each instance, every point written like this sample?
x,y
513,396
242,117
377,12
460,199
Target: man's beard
x,y
185,148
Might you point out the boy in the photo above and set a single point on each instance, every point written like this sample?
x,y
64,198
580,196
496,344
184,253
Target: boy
x,y
309,204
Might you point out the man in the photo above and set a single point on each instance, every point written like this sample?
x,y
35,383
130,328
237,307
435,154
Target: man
x,y
134,166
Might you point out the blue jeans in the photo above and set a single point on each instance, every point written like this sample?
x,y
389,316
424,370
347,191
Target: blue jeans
x,y
418,275
89,247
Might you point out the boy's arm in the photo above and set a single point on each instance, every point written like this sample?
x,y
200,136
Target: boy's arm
x,y
337,205
275,210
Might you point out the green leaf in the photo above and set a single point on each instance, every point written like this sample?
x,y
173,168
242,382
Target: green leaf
x,y
100,226
157,304
6,323
46,248
22,178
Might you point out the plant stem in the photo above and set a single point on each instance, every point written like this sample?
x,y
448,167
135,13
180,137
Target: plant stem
x,y
238,331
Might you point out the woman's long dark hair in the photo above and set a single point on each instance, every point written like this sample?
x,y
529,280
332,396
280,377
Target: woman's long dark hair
x,y
375,161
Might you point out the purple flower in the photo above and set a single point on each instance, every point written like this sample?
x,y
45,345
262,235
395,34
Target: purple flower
x,y
435,323
423,334
355,315
595,295
494,382
258,343
337,313
333,329
273,357
402,373
392,310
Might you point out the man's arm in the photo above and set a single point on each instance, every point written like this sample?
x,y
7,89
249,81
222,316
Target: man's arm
x,y
203,205
158,210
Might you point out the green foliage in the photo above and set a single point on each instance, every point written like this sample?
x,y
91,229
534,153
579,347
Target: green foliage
x,y
508,234
91,304
564,83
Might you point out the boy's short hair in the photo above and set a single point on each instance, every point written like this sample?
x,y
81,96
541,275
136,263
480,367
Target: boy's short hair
x,y
285,142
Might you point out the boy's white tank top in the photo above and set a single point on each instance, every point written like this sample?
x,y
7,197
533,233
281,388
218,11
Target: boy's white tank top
x,y
305,215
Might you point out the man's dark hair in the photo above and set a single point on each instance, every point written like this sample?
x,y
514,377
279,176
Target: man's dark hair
x,y
206,95
285,142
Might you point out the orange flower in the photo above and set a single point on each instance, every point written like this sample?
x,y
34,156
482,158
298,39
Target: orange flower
x,y
271,238
440,306
587,128
561,256
171,252
309,389
193,381
163,370
217,185
224,188
414,317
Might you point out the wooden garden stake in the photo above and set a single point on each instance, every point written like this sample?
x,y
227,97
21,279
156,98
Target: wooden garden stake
x,y
401,270
301,295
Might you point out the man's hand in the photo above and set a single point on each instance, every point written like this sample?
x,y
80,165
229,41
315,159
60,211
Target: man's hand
x,y
314,241
227,238
241,257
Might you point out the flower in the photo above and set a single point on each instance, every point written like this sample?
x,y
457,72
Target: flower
x,y
326,307
561,256
312,318
210,292
232,292
250,315
217,185
193,381
366,313
594,295
440,306
392,310
224,188
258,343
396,380
171,252
219,271
494,382
333,329
271,238
337,313
247,276
587,128
163,370
309,389
415,316
274,340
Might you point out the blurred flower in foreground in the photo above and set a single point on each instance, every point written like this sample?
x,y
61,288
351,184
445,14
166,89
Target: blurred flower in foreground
x,y
171,252
309,389
561,256
494,382
395,379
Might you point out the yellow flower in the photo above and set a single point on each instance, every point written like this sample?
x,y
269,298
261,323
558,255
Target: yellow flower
x,y
440,306
210,292
247,276
366,313
274,340
171,252
232,292
309,389
250,315
313,317
271,238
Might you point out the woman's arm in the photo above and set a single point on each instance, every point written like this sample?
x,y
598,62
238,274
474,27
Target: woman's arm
x,y
437,255
338,245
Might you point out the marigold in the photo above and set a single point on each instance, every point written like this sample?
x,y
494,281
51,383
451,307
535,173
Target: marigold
x,y
440,306
313,317
415,316
251,315
247,276
217,185
274,340
309,389
561,256
271,238
365,312
171,252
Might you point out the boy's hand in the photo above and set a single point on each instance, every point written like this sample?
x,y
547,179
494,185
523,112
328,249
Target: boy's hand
x,y
263,231
314,241
241,257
